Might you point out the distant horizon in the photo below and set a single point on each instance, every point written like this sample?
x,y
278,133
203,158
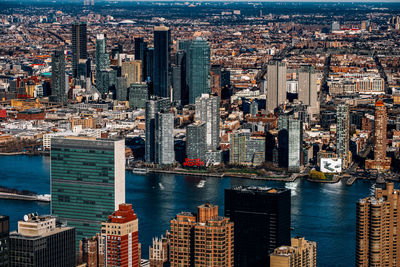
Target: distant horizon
x,y
207,1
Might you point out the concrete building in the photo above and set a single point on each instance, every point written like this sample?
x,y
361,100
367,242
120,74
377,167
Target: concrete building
x,y
380,161
376,228
207,110
162,41
79,45
308,90
132,70
138,95
41,242
276,88
343,134
246,148
164,138
121,231
262,222
196,141
92,252
290,138
153,106
158,251
58,84
204,239
301,253
4,241
87,181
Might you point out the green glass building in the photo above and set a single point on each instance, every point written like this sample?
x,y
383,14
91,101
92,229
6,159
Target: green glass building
x,y
87,181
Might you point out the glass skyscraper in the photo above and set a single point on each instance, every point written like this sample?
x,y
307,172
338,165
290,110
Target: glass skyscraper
x,y
162,39
79,45
87,181
207,110
164,138
58,77
290,138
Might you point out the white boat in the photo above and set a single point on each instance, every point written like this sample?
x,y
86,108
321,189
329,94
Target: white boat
x,y
45,197
139,171
161,186
201,184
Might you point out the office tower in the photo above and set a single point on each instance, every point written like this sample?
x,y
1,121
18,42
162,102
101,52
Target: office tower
x,y
83,70
276,93
261,217
216,81
91,251
380,161
140,54
40,241
198,69
58,85
179,83
207,110
138,95
176,83
107,81
202,239
102,57
342,133
195,141
149,55
290,139
308,90
87,181
153,106
246,148
301,253
121,89
79,45
376,228
121,231
4,240
132,70
164,138
162,39
158,251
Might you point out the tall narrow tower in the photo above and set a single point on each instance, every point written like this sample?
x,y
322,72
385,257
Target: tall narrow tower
x,y
276,94
79,45
162,39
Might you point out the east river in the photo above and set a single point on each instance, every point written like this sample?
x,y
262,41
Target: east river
x,y
324,213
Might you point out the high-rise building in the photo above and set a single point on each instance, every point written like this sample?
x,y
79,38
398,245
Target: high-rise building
x,y
301,253
162,39
246,148
290,139
121,231
102,57
207,110
138,95
380,161
204,239
87,181
376,230
179,79
262,222
132,70
4,241
308,90
195,141
91,251
335,26
342,133
79,45
164,138
158,251
140,54
40,241
121,89
58,84
153,106
215,80
276,88
198,69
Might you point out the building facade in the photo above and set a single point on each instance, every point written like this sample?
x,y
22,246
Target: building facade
x,y
164,138
79,45
196,141
4,241
290,138
276,84
342,133
138,95
207,110
58,85
246,148
301,253
162,40
308,90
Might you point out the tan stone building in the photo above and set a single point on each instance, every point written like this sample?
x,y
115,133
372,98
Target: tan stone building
x,y
301,253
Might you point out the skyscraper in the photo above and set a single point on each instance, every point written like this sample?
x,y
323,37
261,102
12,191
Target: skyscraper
x,y
162,39
261,217
102,57
140,54
198,68
376,230
204,239
121,231
153,106
58,86
4,240
79,45
342,133
87,181
132,70
301,253
41,242
308,90
164,138
246,149
290,140
380,161
91,251
138,95
195,141
158,252
276,87
207,110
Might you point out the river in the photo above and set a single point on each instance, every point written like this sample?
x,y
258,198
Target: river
x,y
324,213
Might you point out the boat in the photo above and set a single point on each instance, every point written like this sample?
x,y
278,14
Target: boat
x,y
140,171
44,198
201,184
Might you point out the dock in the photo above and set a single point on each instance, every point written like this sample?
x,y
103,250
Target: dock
x,y
13,196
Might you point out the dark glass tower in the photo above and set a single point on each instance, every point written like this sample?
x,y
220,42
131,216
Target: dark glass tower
x,y
262,222
79,45
162,39
4,241
58,77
